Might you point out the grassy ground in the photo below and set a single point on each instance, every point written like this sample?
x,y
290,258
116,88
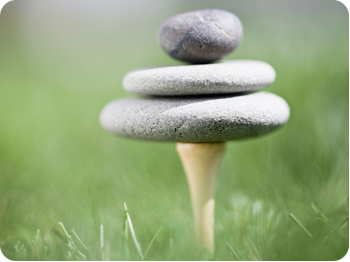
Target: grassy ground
x,y
283,196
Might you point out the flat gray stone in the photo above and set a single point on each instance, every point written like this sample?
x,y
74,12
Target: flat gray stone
x,y
227,77
201,36
195,120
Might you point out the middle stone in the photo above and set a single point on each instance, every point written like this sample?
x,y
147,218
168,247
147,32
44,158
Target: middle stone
x,y
226,77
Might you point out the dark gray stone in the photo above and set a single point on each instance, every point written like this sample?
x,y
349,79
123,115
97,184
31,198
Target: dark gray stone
x,y
195,120
228,77
201,36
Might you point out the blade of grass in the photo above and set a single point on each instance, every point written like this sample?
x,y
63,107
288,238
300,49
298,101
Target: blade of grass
x,y
233,251
102,242
150,244
36,240
336,231
125,236
320,214
125,225
71,245
79,240
300,225
72,242
314,207
333,231
82,255
132,231
328,238
64,229
341,225
89,256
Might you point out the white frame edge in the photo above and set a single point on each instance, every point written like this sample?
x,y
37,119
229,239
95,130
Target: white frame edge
x,y
3,3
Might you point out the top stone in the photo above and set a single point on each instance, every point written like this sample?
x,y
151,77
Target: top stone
x,y
201,36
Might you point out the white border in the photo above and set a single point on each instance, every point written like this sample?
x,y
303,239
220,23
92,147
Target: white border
x,y
2,4
346,3
3,258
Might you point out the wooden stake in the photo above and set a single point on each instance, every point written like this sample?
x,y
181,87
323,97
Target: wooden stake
x,y
201,163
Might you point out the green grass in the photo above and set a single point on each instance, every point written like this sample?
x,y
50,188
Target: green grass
x,y
283,196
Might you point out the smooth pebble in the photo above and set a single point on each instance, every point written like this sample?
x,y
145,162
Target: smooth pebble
x,y
201,36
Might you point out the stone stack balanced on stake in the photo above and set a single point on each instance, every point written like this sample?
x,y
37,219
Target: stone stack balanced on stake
x,y
199,106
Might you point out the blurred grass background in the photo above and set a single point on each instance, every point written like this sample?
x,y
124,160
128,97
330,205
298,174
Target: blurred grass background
x,y
61,61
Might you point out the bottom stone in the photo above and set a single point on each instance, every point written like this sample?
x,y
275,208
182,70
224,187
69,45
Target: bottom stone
x,y
195,119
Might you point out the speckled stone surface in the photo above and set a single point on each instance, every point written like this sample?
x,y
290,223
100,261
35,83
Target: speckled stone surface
x,y
227,77
201,36
195,120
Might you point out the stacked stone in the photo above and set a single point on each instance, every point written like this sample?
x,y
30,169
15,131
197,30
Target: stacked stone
x,y
200,103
